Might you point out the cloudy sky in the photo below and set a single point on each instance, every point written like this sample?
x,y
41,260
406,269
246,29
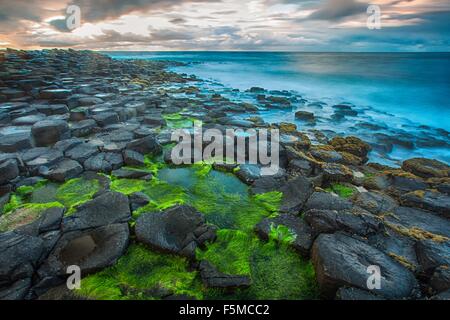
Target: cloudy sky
x,y
272,25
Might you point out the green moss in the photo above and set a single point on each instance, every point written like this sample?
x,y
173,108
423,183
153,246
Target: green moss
x,y
276,271
22,195
75,192
281,234
177,121
24,214
341,190
127,186
231,252
139,275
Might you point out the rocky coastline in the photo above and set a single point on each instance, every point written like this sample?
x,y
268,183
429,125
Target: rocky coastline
x,y
86,179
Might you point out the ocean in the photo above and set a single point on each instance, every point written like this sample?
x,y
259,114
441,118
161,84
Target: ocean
x,y
405,94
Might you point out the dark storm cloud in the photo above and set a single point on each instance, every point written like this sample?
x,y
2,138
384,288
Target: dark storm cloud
x,y
333,10
100,10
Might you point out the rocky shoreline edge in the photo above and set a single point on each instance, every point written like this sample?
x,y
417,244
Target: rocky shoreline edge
x,y
84,140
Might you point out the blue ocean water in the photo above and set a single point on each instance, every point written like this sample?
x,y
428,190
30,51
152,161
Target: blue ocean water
x,y
403,89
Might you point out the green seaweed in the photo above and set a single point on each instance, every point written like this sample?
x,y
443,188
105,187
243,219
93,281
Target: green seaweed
x,y
341,190
281,234
127,186
77,191
24,214
275,270
141,274
178,121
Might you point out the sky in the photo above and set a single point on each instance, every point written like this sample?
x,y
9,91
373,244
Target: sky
x,y
227,25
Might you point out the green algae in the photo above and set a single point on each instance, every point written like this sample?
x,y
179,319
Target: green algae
x,y
281,234
275,270
127,186
76,191
341,190
24,214
141,274
178,121
22,196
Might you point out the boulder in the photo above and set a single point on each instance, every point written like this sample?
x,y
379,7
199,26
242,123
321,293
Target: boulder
x,y
9,170
432,255
104,162
19,254
138,200
297,227
92,250
82,152
295,194
305,116
53,94
133,158
341,260
327,201
212,278
351,221
106,118
48,132
179,230
108,208
375,202
426,168
334,172
15,142
351,145
83,128
64,170
440,281
147,145
428,200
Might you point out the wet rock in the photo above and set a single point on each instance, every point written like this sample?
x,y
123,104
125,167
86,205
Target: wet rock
x,y
428,200
249,173
444,296
28,120
426,168
212,278
65,145
351,145
106,118
92,250
55,94
355,294
9,170
15,142
48,132
138,200
83,128
82,152
64,170
432,255
351,221
418,223
305,116
133,158
295,194
297,227
178,230
107,208
147,145
154,121
104,162
19,254
129,174
400,248
267,184
375,202
340,260
334,172
440,281
46,159
17,291
327,201
48,220
52,109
